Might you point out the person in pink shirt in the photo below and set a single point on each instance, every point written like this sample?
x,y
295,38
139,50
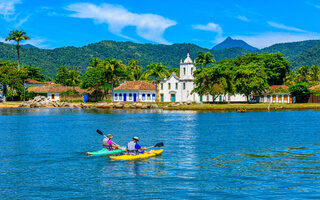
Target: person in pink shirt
x,y
107,143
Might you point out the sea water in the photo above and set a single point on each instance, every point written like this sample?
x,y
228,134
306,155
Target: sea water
x,y
264,155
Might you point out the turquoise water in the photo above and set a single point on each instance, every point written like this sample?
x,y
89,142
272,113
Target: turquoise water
x,y
264,155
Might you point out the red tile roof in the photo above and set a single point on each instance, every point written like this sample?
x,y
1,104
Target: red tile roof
x,y
315,87
56,89
136,85
31,81
275,87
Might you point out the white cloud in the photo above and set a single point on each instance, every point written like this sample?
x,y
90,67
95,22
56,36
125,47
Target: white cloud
x,y
22,21
284,27
209,27
212,27
266,39
7,8
242,18
148,26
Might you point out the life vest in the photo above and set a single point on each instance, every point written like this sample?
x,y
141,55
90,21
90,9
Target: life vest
x,y
131,149
106,144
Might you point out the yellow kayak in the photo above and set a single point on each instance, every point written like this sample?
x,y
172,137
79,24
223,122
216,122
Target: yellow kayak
x,y
135,157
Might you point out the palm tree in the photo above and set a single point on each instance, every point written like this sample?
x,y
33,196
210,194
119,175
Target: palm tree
x,y
203,59
115,71
95,62
18,36
303,73
315,71
156,71
134,70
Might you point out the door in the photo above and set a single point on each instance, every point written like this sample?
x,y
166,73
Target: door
x,y
125,97
134,97
220,98
200,98
161,96
173,98
52,96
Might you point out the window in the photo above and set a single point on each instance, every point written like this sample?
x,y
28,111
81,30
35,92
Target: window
x,y
115,96
120,96
169,86
268,98
176,86
148,96
184,71
130,96
153,97
161,86
191,70
184,86
143,97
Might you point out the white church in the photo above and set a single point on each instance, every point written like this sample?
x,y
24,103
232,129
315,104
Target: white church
x,y
178,89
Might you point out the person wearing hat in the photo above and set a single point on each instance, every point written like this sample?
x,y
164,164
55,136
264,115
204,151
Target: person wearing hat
x,y
133,147
107,143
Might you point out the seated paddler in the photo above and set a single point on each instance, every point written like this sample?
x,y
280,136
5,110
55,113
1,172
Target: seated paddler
x,y
133,148
109,144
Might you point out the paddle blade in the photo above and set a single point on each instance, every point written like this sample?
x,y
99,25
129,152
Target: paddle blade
x,y
160,144
98,131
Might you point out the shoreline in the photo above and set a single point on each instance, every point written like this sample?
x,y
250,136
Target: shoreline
x,y
195,107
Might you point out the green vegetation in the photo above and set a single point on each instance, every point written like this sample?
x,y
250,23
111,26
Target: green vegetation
x,y
17,36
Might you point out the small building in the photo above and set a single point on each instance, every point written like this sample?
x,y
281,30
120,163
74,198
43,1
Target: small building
x,y
31,82
275,94
54,92
135,91
179,89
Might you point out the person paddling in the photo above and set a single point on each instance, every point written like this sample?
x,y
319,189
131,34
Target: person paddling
x,y
133,147
107,143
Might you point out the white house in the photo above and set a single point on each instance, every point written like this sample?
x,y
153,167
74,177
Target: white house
x,y
175,89
54,92
134,91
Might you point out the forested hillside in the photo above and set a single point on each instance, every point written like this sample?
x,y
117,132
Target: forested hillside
x,y
299,53
78,57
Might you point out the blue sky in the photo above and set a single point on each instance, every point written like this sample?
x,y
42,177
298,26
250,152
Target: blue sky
x,y
60,23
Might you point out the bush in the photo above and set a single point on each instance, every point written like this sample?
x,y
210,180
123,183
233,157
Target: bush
x,y
301,91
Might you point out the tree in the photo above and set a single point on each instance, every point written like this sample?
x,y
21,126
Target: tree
x,y
134,70
34,73
303,73
204,59
115,71
62,75
250,79
18,36
315,72
12,78
156,72
73,78
94,78
68,77
175,70
301,91
276,67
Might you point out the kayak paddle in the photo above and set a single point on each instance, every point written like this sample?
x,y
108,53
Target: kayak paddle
x,y
160,144
100,133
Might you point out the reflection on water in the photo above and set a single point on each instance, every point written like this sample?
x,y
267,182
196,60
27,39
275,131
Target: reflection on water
x,y
257,155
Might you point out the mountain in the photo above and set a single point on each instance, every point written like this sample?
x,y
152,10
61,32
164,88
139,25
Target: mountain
x,y
52,59
28,46
229,42
299,53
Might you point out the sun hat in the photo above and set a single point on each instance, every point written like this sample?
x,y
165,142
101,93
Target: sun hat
x,y
109,136
136,138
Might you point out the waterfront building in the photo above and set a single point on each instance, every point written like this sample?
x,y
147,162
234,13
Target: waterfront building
x,y
133,91
179,89
54,92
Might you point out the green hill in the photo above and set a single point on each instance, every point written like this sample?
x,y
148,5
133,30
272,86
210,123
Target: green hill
x,y
299,53
52,59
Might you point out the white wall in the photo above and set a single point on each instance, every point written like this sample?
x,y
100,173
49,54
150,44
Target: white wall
x,y
56,96
143,95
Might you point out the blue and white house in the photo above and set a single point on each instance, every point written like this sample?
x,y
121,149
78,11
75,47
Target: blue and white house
x,y
134,91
